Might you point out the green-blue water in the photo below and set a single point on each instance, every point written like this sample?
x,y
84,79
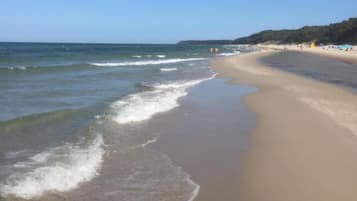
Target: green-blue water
x,y
66,107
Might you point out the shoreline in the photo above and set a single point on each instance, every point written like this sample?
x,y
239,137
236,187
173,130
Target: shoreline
x,y
304,145
205,137
316,67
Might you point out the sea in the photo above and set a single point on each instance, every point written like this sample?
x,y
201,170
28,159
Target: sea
x,y
72,119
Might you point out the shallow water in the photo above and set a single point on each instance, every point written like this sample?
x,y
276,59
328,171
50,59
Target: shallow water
x,y
208,136
71,114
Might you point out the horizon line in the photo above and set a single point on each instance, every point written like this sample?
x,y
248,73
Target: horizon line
x,y
89,43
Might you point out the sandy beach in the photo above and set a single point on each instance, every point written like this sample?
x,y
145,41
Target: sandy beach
x,y
305,144
178,101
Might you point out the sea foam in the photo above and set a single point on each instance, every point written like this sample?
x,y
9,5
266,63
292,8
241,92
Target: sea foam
x,y
142,106
230,54
80,165
17,68
144,63
168,69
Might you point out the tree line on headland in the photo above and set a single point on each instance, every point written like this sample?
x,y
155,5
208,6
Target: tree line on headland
x,y
337,33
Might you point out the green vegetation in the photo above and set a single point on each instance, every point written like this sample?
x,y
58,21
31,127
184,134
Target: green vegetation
x,y
338,33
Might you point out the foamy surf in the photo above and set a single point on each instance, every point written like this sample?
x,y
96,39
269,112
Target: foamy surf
x,y
17,68
196,189
144,63
168,69
230,54
72,165
142,106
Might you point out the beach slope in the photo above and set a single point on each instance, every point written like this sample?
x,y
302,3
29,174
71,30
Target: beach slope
x,y
305,144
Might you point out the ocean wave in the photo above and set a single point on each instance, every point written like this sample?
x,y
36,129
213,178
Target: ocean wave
x,y
150,141
168,69
161,56
17,68
230,54
196,187
14,154
142,106
144,63
76,165
181,84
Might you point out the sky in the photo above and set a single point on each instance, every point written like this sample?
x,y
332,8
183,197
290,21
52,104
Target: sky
x,y
159,21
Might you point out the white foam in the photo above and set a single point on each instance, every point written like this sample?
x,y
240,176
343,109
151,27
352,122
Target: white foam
x,y
144,63
81,165
41,157
35,160
17,68
142,106
181,84
168,69
150,141
161,56
195,191
230,54
137,56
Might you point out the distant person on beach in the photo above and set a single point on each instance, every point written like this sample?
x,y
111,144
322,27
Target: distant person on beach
x,y
214,51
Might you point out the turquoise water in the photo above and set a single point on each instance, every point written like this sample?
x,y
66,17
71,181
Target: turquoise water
x,y
67,108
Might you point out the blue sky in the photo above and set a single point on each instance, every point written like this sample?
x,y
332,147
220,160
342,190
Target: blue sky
x,y
159,21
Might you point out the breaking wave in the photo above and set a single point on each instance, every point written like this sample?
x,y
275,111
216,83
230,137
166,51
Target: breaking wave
x,y
59,169
143,63
142,106
168,69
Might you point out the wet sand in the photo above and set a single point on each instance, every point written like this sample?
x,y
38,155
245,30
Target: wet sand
x,y
305,144
316,67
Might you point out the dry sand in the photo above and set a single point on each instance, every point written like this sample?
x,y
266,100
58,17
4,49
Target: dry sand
x,y
305,145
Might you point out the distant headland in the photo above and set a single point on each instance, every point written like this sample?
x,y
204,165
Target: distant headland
x,y
337,33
